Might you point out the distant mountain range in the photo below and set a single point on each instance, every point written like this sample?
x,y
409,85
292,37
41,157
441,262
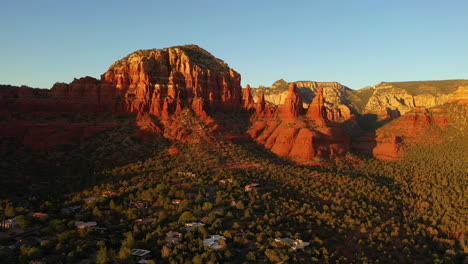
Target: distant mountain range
x,y
397,96
158,88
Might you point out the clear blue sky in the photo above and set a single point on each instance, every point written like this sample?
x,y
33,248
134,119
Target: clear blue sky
x,y
357,43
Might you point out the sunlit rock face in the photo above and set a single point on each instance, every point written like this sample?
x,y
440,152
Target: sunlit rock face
x,y
292,133
162,82
420,126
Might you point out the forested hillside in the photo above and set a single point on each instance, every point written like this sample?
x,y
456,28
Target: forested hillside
x,y
365,211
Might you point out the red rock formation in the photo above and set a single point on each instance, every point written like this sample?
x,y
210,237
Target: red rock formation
x,y
388,114
40,136
364,144
300,140
199,107
292,106
262,109
388,148
247,98
157,82
419,126
160,82
163,83
145,79
173,150
261,104
316,109
337,113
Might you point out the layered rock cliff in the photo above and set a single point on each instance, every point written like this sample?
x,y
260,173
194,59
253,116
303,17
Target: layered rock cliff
x,y
157,81
152,84
387,100
339,98
292,133
420,126
162,89
402,97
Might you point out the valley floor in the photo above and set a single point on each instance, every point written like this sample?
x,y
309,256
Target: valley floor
x,y
361,211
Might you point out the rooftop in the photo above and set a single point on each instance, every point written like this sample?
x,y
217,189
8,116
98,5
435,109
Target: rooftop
x,y
140,252
214,241
294,243
81,224
189,226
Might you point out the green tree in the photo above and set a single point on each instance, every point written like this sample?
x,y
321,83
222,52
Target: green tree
x,y
165,251
23,221
125,255
186,217
10,211
207,206
29,253
197,259
276,255
57,225
129,241
103,256
97,212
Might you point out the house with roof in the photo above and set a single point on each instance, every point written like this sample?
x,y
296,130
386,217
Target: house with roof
x,y
140,204
295,244
251,187
145,221
89,199
141,255
81,224
70,209
225,181
214,241
190,226
176,201
187,173
109,194
40,215
9,223
173,237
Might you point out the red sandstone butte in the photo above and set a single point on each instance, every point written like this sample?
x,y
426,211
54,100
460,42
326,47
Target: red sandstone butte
x,y
316,109
161,81
292,106
247,98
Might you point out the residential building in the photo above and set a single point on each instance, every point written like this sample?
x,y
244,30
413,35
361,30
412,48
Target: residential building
x,y
214,241
190,226
81,224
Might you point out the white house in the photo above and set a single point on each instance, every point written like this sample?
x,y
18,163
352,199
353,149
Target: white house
x,y
214,241
141,255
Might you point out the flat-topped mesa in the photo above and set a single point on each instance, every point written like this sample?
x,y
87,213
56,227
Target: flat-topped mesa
x,y
160,81
247,97
316,109
292,107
